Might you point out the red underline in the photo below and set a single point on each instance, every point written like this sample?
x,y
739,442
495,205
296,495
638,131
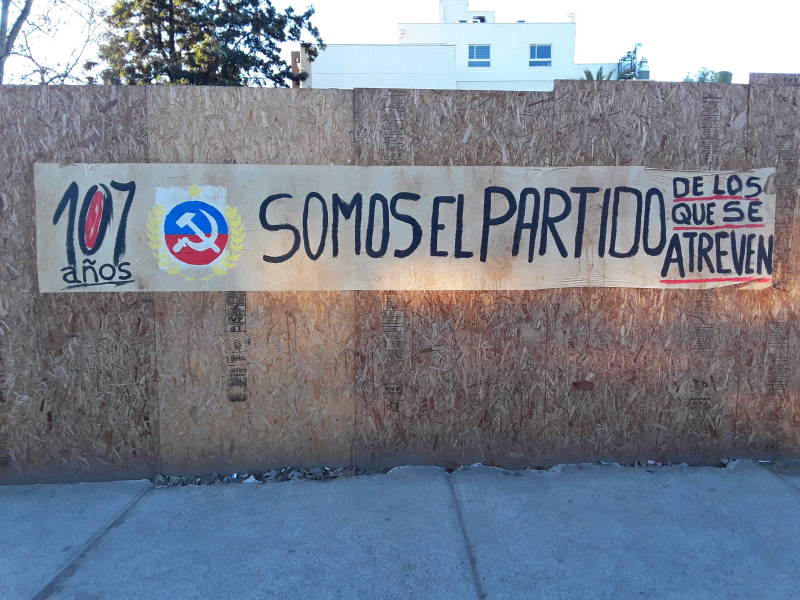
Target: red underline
x,y
706,198
719,279
718,226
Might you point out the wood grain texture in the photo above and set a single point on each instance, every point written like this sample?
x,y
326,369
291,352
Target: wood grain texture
x,y
95,385
681,346
78,394
548,376
660,125
299,394
446,376
768,422
440,127
249,125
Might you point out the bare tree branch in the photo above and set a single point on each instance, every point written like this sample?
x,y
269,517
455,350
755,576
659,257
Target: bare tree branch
x,y
35,60
8,38
23,16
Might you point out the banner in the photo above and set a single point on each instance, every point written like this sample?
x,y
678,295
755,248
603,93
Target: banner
x,y
184,227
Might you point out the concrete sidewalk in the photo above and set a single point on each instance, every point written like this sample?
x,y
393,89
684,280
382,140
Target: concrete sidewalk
x,y
582,531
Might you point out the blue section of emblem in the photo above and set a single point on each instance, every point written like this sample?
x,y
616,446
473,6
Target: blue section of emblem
x,y
188,217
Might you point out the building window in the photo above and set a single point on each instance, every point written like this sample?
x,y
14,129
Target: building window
x,y
541,55
479,55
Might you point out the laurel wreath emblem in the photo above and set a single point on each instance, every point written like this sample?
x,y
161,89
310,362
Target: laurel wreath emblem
x,y
228,259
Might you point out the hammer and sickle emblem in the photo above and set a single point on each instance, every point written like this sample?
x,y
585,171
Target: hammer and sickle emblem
x,y
207,242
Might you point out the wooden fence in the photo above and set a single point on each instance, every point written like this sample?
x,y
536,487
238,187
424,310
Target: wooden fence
x,y
119,385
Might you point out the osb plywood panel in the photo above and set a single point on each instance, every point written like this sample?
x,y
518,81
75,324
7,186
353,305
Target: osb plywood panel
x,y
768,421
775,80
504,378
515,378
297,405
439,127
455,376
250,125
538,377
774,139
660,125
78,391
768,415
280,389
682,402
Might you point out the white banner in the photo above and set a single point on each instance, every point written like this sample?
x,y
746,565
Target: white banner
x,y
183,227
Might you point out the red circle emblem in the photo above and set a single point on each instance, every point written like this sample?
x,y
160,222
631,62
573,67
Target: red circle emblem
x,y
93,217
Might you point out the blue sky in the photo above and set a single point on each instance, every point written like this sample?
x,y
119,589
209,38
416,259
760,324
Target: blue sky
x,y
677,36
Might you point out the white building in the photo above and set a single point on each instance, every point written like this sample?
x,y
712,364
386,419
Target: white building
x,y
466,50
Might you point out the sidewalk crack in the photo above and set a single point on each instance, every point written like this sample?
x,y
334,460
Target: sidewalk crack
x,y
473,561
56,584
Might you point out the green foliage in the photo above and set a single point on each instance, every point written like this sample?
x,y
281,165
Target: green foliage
x,y
599,76
223,42
703,76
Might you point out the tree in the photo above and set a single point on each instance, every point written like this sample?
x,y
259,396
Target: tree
x,y
58,20
599,76
703,76
10,26
223,42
